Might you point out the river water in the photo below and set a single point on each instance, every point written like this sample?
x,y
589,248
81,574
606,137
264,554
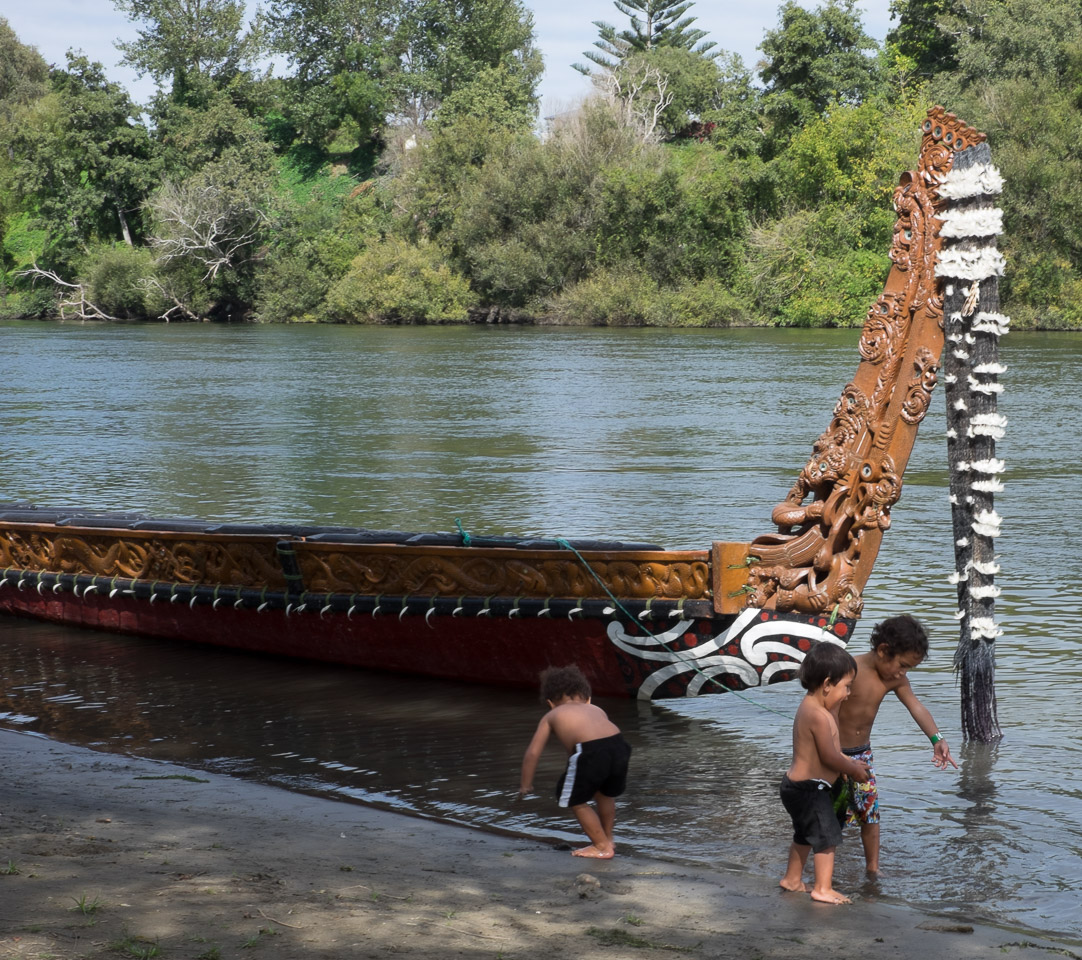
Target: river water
x,y
674,437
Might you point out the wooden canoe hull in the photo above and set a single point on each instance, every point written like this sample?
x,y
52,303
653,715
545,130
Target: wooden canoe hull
x,y
639,646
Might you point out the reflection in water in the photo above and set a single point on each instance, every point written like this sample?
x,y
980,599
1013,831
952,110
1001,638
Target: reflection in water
x,y
977,850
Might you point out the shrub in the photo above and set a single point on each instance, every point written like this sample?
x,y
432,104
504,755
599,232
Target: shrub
x,y
610,298
708,303
396,282
114,277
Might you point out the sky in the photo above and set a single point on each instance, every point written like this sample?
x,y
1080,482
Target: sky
x,y
564,30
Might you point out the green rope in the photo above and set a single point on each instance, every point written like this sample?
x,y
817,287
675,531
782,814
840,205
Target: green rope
x,y
627,613
465,536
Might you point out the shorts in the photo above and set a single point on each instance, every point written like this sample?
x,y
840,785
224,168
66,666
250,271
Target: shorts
x,y
809,805
596,766
863,798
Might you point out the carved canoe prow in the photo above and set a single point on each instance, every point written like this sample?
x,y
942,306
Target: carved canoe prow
x,y
831,524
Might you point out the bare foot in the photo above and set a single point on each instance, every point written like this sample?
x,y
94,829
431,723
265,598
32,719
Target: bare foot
x,y
593,853
831,896
799,887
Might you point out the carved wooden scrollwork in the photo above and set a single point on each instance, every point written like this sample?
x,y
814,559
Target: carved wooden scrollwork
x,y
831,523
455,573
189,561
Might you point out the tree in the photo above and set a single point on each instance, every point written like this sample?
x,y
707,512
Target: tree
x,y
24,78
24,74
344,56
447,43
813,59
690,80
662,24
921,36
735,108
1021,39
188,41
210,216
82,161
494,95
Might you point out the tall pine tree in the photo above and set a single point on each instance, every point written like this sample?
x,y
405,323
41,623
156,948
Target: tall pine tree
x,y
654,23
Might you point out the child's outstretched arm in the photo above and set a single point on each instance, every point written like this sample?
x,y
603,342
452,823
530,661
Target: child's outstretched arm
x,y
941,754
533,754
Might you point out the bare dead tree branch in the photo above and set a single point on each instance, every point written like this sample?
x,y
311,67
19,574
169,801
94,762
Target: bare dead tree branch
x,y
71,305
205,224
641,96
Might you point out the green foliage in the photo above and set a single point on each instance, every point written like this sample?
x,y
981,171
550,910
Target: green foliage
x,y
81,162
811,268
495,96
344,59
189,42
1023,39
621,298
320,230
920,35
812,60
735,109
398,282
853,157
115,278
679,214
450,42
392,175
523,223
691,83
434,171
709,303
24,74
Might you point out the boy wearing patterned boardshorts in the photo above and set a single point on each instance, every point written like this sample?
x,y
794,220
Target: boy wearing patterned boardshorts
x,y
597,757
898,645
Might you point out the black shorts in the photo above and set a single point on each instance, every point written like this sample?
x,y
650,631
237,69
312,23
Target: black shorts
x,y
809,804
596,766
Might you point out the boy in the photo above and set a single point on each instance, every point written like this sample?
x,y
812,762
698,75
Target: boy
x,y
898,645
597,757
827,674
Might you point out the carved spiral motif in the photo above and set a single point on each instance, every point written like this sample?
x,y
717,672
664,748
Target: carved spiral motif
x,y
919,395
811,563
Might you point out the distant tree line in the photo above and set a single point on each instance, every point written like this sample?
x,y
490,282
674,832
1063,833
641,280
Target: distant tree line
x,y
393,168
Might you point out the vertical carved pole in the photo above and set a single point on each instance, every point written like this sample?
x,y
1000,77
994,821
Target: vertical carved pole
x,y
969,267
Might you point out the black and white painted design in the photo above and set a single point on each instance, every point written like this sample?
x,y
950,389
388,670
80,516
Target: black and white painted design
x,y
756,635
969,267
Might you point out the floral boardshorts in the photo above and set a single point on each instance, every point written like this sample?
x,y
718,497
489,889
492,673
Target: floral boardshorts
x,y
862,799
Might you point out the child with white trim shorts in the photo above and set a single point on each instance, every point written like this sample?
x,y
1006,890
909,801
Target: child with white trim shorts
x,y
597,760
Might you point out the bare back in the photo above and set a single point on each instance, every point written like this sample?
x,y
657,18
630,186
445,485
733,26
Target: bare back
x,y
577,721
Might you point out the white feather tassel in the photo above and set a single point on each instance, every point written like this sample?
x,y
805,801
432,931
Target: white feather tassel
x,y
980,222
975,181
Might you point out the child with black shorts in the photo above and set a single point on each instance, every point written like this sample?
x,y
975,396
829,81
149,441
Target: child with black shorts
x,y
597,757
827,673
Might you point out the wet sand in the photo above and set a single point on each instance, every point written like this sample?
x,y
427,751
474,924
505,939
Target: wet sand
x,y
105,856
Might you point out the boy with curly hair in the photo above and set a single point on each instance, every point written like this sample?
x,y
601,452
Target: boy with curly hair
x,y
898,645
597,757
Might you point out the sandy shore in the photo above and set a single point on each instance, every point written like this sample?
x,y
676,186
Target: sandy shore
x,y
107,856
